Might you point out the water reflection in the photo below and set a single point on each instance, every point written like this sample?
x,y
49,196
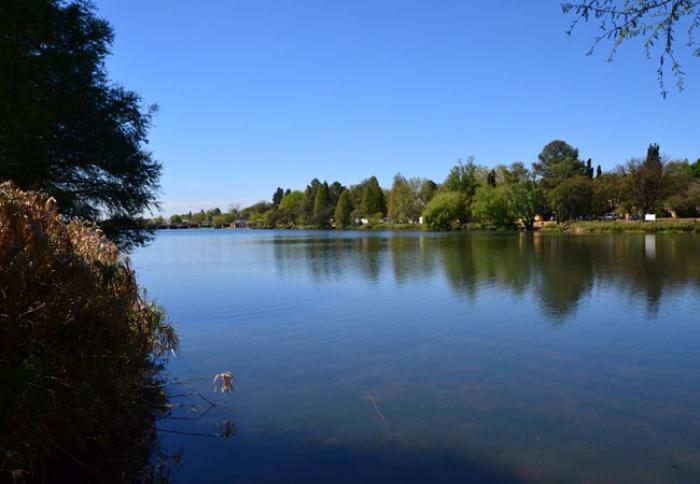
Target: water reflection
x,y
490,357
559,270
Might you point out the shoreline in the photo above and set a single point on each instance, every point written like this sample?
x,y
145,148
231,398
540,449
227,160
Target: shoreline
x,y
580,227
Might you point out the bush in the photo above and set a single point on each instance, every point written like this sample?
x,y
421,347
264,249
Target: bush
x,y
81,350
445,211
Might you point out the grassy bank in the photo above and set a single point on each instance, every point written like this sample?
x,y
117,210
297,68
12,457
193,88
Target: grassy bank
x,y
81,351
621,226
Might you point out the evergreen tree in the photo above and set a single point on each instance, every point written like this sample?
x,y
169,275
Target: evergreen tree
x,y
558,161
598,172
323,208
309,200
491,178
343,210
403,206
373,201
277,196
65,127
336,188
427,191
589,168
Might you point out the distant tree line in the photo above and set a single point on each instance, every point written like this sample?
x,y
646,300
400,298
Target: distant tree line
x,y
558,186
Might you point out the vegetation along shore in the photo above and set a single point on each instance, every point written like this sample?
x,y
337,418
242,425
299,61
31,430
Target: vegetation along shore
x,y
555,191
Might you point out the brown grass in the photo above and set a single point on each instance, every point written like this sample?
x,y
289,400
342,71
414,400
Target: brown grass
x,y
81,350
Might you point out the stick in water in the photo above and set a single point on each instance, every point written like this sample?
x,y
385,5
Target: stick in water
x,y
379,413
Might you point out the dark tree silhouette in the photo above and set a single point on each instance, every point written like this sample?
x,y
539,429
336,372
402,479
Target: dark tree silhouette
x,y
65,128
277,196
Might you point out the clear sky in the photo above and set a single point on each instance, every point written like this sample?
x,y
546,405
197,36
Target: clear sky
x,y
257,94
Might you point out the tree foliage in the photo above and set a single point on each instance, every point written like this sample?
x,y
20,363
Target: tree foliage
x,y
343,210
65,128
446,210
373,200
323,207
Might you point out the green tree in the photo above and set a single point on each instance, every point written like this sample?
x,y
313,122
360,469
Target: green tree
x,y
66,128
427,191
642,182
309,200
558,161
343,210
373,200
462,178
335,189
175,219
606,193
323,207
291,208
695,168
492,205
445,210
571,199
403,204
527,201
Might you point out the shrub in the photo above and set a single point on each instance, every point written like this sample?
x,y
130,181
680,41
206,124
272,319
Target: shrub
x,y
80,350
445,211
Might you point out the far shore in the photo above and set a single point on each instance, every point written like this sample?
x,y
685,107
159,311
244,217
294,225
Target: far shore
x,y
669,225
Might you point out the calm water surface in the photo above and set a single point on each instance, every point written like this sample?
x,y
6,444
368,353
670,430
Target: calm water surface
x,y
414,357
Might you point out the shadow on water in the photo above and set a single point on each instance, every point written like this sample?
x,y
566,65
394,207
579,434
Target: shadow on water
x,y
280,461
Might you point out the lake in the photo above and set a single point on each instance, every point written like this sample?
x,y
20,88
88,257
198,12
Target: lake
x,y
416,356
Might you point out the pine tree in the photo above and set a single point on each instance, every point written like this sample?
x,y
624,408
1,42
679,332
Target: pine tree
x,y
343,211
323,207
373,201
598,171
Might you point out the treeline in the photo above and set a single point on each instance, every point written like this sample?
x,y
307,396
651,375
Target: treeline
x,y
559,186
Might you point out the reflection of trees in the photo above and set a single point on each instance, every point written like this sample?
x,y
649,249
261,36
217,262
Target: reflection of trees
x,y
558,269
563,273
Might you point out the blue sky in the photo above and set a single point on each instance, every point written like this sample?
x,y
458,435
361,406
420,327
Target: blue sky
x,y
257,94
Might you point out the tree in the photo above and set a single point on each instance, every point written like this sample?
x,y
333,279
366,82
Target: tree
x,y
571,199
343,210
491,178
323,208
277,196
606,193
492,205
589,168
558,161
336,188
642,183
598,172
462,178
373,200
695,168
527,201
291,209
309,200
175,219
654,21
403,206
67,129
427,191
445,210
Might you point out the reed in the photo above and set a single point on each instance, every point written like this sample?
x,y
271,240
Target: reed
x,y
81,351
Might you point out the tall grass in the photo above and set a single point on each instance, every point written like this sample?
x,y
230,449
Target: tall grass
x,y
81,350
